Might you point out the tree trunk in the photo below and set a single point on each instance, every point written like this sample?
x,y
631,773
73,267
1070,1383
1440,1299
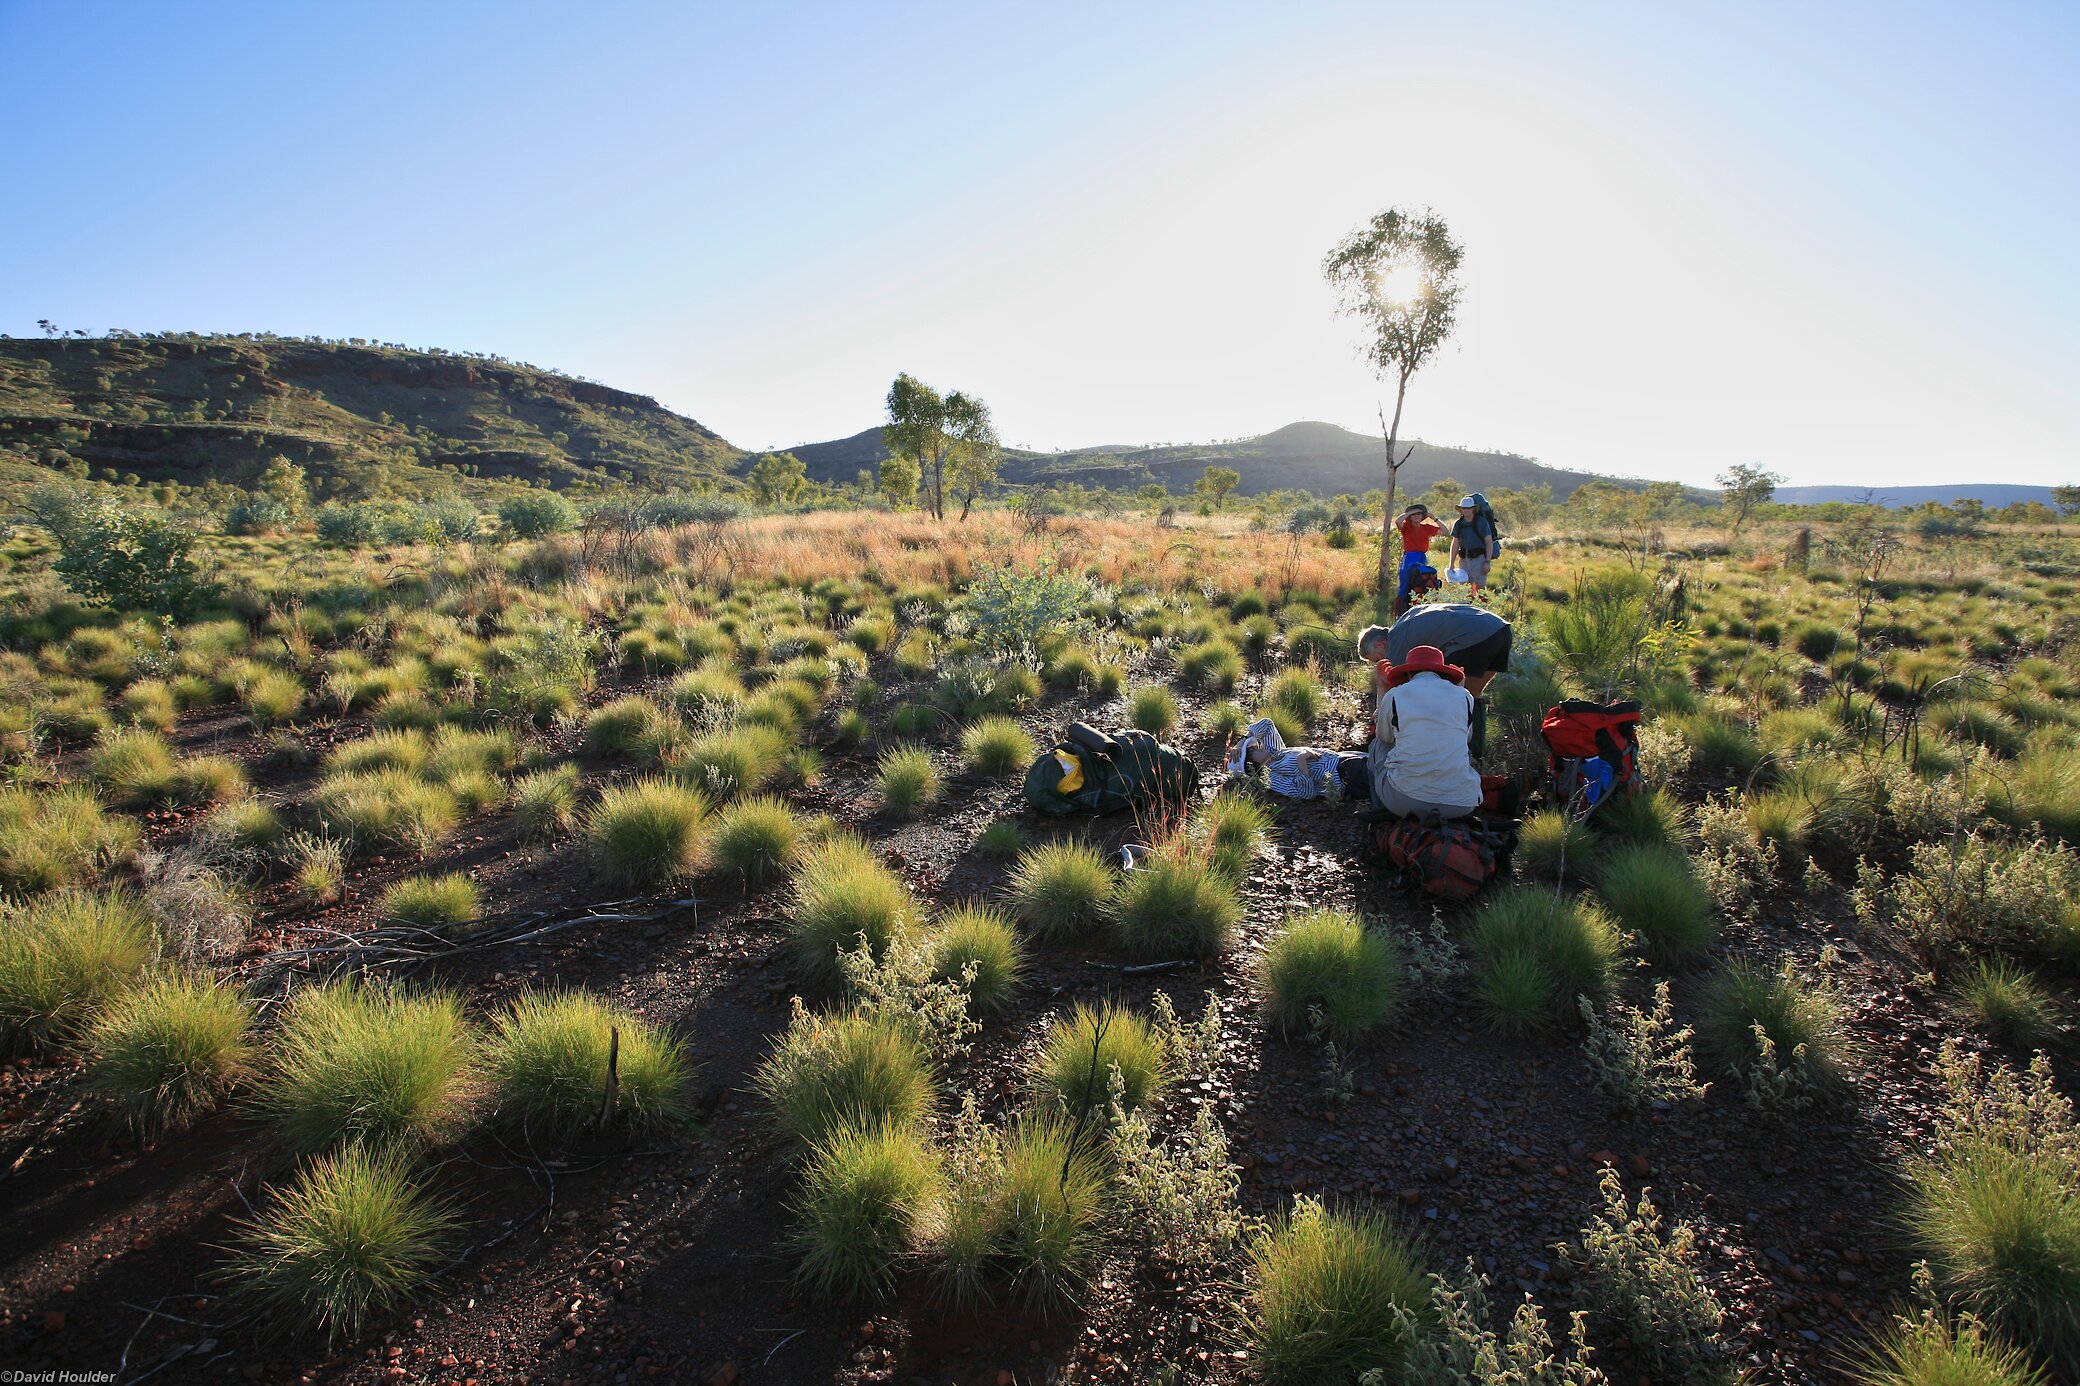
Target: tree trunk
x,y
1389,560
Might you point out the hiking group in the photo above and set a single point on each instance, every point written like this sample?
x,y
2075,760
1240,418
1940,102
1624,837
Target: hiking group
x,y
1476,542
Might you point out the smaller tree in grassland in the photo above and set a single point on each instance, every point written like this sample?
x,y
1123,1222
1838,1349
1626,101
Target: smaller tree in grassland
x,y
916,431
1153,496
532,514
1216,482
777,478
976,452
2067,499
899,479
132,561
1742,488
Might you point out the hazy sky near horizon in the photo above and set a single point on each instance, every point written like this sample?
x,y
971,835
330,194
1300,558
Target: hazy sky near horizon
x,y
1837,240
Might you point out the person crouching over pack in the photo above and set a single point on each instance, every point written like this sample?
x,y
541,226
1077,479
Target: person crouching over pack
x,y
1421,756
1472,637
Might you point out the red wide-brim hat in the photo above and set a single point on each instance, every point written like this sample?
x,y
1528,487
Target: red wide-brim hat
x,y
1423,659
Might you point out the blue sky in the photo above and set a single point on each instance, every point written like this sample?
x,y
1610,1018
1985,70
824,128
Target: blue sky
x,y
1837,240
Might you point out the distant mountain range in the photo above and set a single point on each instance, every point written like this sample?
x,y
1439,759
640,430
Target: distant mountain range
x,y
1993,495
1317,457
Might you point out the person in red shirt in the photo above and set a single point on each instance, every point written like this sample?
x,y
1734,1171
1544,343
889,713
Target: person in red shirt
x,y
1417,530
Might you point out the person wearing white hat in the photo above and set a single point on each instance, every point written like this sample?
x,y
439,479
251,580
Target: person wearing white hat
x,y
1475,543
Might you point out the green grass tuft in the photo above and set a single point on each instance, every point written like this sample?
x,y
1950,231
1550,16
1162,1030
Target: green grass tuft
x,y
431,902
843,892
867,1198
1326,963
1060,888
352,1238
62,958
1081,1050
167,1050
1526,945
2008,1002
997,746
1152,709
548,1059
1337,1295
649,833
1654,893
370,1063
1794,1014
756,840
1176,904
978,935
907,781
545,803
845,1070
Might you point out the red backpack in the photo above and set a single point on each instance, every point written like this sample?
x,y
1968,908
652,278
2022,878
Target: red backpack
x,y
1592,751
1451,860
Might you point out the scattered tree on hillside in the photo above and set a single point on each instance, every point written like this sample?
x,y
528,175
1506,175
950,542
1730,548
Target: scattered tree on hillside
x,y
1399,275
777,478
1153,495
2067,499
975,452
917,430
1215,483
1664,500
1743,488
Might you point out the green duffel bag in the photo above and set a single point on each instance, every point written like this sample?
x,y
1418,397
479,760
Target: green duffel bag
x,y
1090,772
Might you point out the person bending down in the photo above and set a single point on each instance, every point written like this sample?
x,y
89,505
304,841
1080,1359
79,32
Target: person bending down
x,y
1472,637
1300,772
1421,758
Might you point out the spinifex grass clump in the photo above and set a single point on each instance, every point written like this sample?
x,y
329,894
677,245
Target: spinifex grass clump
x,y
1052,1195
1552,846
1933,1351
843,893
549,1058
979,937
1236,829
1339,1293
57,837
1533,955
62,958
1996,1206
867,1198
1655,894
431,902
390,807
845,1070
1060,888
168,1049
545,803
370,1063
1081,1051
729,764
133,766
1327,971
1175,903
1773,1032
1652,819
997,746
352,1238
756,840
1298,694
907,781
1152,709
2007,1001
649,833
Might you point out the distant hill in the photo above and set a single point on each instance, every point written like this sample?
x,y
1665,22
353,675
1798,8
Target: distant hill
x,y
193,408
1993,494
1317,457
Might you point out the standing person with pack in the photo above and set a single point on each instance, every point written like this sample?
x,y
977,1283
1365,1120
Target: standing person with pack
x,y
1421,756
1476,542
1417,530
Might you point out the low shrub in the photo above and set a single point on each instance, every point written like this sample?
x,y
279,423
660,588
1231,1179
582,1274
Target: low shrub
x,y
907,781
167,1050
431,902
1643,1281
649,833
1655,894
997,746
843,893
370,1063
1338,1294
63,957
352,1238
548,1059
1080,1052
1175,903
977,936
833,1071
1060,888
867,1198
1639,1058
1325,970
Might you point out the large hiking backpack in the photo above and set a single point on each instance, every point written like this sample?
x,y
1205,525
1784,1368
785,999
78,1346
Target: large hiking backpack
x,y
1592,752
1484,511
1104,774
1450,859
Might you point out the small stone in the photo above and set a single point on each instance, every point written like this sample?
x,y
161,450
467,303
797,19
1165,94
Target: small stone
x,y
1639,1166
723,1374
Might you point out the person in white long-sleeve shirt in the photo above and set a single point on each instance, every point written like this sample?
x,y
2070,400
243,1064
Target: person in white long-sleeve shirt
x,y
1421,757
